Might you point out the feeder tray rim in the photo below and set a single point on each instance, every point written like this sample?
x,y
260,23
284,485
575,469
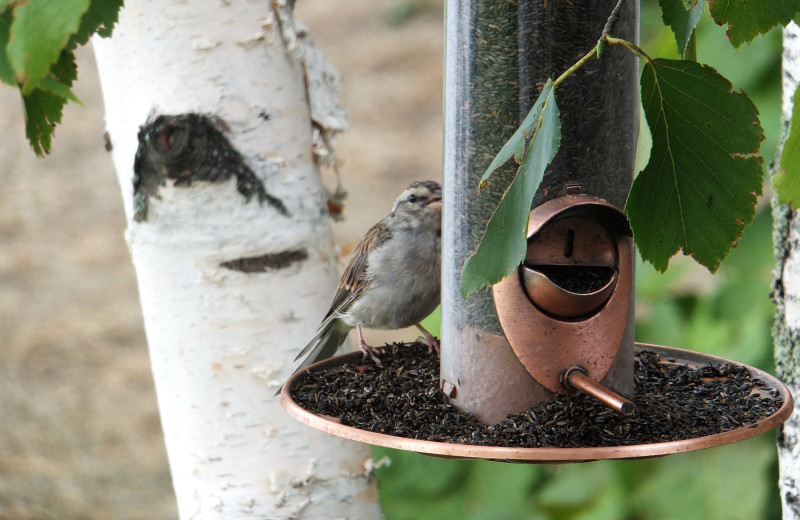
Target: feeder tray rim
x,y
332,426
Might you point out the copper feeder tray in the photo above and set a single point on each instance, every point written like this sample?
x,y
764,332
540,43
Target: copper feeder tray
x,y
547,455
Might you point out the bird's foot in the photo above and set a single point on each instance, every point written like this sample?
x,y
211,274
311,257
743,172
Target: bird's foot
x,y
431,343
428,340
370,352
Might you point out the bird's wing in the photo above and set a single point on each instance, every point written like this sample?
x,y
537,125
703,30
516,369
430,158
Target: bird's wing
x,y
354,279
330,334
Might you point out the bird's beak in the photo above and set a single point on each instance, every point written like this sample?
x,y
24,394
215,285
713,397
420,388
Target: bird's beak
x,y
434,202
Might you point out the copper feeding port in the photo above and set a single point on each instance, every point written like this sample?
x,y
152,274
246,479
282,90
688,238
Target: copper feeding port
x,y
557,300
575,378
570,269
569,303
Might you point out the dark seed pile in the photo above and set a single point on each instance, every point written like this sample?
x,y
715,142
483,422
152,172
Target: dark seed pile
x,y
577,278
673,402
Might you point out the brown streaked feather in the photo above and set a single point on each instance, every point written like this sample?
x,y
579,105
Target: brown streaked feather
x,y
354,278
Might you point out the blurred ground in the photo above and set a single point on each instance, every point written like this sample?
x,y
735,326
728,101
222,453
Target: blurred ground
x,y
80,434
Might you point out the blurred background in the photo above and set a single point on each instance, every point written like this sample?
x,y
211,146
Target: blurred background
x,y
80,435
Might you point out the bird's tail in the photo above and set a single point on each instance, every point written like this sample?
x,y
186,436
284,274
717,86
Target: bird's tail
x,y
329,337
324,344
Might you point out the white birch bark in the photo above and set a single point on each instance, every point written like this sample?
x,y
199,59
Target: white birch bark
x,y
787,298
222,341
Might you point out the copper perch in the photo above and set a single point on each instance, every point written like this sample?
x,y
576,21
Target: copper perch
x,y
575,378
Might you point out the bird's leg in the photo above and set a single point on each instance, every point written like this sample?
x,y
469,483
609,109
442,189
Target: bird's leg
x,y
428,340
369,352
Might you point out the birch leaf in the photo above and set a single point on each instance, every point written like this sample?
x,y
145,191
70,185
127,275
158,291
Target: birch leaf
x,y
504,243
39,34
682,21
37,40
6,71
700,185
515,147
43,111
746,19
99,19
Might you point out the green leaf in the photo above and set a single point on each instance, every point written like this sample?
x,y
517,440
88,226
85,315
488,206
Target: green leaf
x,y
681,20
690,52
65,69
515,147
39,33
43,106
787,180
37,39
700,186
100,19
746,19
42,112
644,143
6,71
504,243
54,86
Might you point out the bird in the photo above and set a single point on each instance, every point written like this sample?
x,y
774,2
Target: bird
x,y
393,279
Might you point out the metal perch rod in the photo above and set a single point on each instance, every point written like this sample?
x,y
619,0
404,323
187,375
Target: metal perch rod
x,y
575,377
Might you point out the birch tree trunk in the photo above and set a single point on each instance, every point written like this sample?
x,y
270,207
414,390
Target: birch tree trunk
x,y
787,299
232,284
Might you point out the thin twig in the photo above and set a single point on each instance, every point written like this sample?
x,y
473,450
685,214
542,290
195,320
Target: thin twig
x,y
589,55
610,40
612,20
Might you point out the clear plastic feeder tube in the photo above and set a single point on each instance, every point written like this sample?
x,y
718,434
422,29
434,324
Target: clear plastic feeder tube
x,y
498,55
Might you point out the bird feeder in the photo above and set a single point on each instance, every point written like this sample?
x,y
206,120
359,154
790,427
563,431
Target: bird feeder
x,y
562,324
576,286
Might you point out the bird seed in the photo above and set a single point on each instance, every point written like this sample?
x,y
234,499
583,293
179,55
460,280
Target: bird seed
x,y
673,402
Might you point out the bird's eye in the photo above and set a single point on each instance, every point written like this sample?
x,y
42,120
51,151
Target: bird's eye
x,y
412,198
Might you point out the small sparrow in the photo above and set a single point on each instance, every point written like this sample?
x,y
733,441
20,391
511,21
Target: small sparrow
x,y
393,279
